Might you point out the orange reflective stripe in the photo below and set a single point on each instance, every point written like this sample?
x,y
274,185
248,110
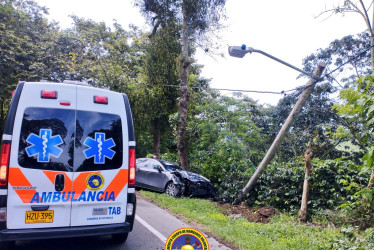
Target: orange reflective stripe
x,y
17,179
118,182
68,183
79,183
51,175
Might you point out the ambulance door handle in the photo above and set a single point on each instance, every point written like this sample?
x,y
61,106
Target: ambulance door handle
x,y
39,208
59,182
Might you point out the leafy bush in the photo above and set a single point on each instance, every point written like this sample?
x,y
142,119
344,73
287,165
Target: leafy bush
x,y
232,181
280,186
333,183
227,176
360,212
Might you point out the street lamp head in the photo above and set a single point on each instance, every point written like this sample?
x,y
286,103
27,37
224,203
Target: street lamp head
x,y
239,51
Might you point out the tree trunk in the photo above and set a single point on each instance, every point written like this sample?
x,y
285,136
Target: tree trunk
x,y
371,180
183,102
308,155
156,139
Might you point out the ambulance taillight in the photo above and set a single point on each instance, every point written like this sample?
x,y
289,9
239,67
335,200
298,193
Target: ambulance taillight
x,y
132,162
5,152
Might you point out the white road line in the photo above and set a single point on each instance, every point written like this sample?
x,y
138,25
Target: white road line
x,y
150,228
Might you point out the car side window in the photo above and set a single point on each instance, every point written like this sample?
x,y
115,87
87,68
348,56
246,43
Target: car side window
x,y
140,163
144,164
153,164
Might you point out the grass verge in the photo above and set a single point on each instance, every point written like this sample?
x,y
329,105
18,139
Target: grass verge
x,y
283,232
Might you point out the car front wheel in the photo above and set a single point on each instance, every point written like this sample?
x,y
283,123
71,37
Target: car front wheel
x,y
172,190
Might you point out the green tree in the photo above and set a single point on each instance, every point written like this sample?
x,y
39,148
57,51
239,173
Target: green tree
x,y
225,139
350,55
316,120
357,108
361,7
27,46
195,18
106,59
352,127
160,90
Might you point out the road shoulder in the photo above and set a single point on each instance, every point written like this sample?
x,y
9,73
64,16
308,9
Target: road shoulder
x,y
166,222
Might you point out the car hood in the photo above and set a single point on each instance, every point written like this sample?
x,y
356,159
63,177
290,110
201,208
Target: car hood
x,y
192,176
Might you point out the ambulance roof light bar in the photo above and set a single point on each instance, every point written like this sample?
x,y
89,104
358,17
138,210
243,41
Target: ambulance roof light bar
x,y
48,94
100,99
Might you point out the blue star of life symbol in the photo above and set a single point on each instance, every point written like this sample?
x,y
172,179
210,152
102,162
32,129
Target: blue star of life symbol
x,y
99,148
44,145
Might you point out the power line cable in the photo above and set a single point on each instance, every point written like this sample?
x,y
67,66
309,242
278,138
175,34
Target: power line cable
x,y
283,92
331,72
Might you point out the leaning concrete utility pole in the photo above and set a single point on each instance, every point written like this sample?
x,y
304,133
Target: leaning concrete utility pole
x,y
283,131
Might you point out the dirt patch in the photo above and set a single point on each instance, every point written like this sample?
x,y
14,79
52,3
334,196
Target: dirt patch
x,y
262,214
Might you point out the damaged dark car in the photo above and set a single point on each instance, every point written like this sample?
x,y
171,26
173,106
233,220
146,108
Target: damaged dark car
x,y
168,177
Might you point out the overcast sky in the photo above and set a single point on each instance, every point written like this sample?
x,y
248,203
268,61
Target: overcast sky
x,y
287,29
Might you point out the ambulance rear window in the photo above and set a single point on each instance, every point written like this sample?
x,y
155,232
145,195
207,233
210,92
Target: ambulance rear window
x,y
47,139
98,143
70,140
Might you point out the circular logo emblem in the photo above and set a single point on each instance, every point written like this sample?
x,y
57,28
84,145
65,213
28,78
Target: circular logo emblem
x,y
94,181
187,239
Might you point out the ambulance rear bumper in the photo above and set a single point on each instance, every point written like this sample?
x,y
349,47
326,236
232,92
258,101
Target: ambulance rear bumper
x,y
63,232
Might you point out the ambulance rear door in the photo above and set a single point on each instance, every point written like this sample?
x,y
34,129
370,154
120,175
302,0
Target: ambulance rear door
x,y
101,158
41,159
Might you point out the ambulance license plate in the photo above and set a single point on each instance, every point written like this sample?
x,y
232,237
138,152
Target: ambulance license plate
x,y
39,216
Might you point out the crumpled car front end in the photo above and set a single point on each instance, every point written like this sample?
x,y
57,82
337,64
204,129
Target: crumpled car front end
x,y
179,183
195,184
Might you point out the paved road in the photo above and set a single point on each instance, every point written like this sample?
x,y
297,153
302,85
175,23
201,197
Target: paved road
x,y
151,229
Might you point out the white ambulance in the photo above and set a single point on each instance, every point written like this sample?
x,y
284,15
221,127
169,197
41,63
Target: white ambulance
x,y
67,163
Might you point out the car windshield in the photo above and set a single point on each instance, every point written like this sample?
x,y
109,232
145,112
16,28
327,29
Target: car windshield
x,y
169,166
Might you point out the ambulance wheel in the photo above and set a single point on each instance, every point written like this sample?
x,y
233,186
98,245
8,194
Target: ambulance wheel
x,y
172,190
120,238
